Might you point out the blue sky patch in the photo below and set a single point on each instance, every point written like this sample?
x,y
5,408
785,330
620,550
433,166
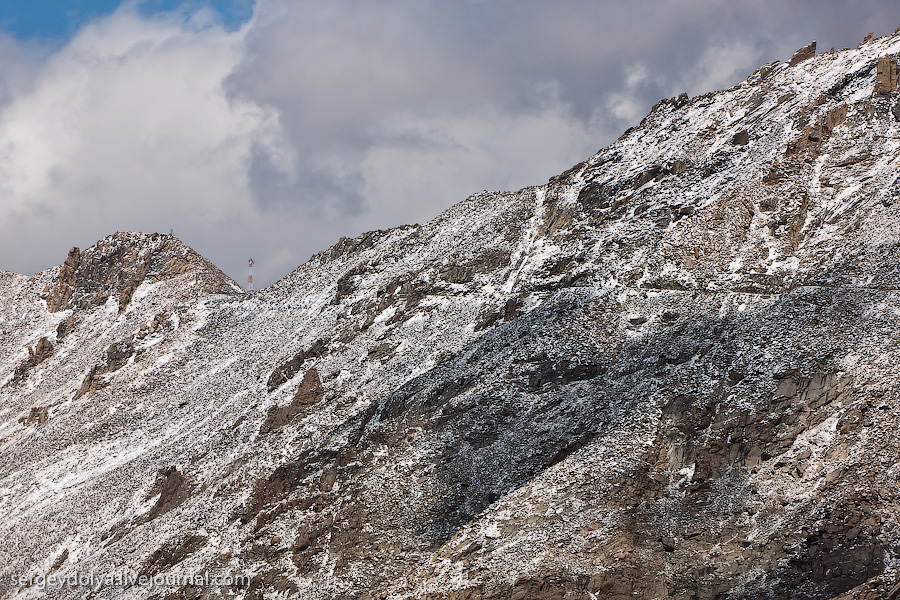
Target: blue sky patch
x,y
60,20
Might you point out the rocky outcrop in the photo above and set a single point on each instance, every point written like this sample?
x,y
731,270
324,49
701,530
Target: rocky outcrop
x,y
134,279
456,274
173,489
65,327
310,390
42,351
158,323
91,382
308,393
62,292
814,135
37,416
509,311
172,554
117,356
117,266
887,75
286,371
741,138
381,352
803,54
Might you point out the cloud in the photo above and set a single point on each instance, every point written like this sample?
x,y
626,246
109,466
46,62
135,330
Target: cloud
x,y
316,120
127,127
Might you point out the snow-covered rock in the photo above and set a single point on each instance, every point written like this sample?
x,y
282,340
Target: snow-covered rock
x,y
668,372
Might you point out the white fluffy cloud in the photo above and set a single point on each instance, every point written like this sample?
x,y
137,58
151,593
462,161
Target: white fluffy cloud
x,y
317,120
127,127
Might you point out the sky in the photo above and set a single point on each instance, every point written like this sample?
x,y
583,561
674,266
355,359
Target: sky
x,y
271,128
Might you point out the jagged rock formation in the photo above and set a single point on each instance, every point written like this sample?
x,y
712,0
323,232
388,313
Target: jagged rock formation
x,y
119,264
670,372
804,53
65,284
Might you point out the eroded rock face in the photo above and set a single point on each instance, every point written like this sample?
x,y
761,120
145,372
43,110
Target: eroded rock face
x,y
310,390
803,54
887,75
65,327
65,284
38,415
116,356
42,351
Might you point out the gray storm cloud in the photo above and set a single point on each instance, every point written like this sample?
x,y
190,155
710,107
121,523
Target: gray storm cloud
x,y
318,120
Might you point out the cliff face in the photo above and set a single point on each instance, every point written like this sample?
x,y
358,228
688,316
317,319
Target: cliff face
x,y
668,372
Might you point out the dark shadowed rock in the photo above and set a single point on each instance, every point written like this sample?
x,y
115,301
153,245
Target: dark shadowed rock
x,y
741,138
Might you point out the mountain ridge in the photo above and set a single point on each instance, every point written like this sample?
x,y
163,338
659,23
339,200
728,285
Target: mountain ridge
x,y
668,372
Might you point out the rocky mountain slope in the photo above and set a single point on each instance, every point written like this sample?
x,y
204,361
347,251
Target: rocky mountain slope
x,y
670,372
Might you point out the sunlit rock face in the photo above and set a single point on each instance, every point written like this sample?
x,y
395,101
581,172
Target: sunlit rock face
x,y
669,372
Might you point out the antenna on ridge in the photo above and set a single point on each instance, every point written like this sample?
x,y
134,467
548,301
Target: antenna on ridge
x,y
250,276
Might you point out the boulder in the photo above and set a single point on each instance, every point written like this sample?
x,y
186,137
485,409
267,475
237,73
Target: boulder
x,y
741,138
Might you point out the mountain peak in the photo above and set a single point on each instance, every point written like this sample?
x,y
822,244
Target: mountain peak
x,y
119,263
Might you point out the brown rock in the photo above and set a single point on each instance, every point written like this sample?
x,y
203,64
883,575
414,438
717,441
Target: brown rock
x,y
647,175
38,415
173,490
310,390
381,351
170,555
65,327
65,283
835,117
512,309
804,53
91,382
42,351
287,371
457,274
134,281
591,196
117,355
326,481
886,75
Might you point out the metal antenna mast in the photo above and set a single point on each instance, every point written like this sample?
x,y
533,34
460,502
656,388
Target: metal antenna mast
x,y
250,276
